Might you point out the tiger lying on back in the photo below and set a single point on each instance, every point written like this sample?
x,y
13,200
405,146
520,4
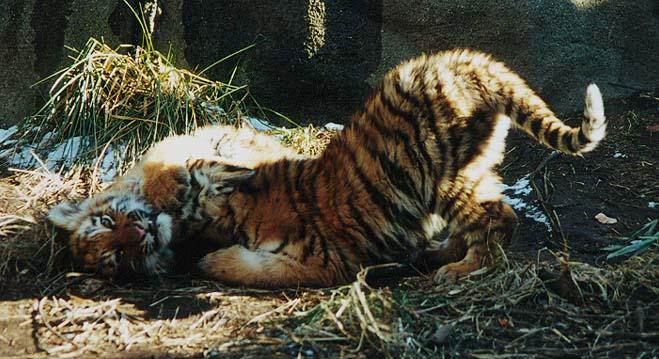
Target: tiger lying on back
x,y
418,157
129,227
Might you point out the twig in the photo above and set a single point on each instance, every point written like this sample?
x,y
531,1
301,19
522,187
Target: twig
x,y
551,214
615,84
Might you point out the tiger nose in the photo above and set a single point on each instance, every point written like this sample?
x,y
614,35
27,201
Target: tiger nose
x,y
139,231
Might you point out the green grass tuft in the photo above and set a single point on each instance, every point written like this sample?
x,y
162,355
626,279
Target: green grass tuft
x,y
129,95
638,242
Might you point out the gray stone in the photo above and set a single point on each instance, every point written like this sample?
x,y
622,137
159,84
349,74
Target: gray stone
x,y
316,60
17,61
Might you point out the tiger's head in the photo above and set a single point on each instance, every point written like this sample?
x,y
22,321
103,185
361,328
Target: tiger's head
x,y
116,233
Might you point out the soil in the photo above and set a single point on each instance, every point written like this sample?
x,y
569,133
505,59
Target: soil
x,y
619,179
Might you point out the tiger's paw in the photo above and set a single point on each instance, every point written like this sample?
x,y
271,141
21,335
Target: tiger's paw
x,y
217,176
166,188
210,169
452,272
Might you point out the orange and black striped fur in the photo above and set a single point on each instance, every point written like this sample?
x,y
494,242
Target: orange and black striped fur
x,y
131,226
418,157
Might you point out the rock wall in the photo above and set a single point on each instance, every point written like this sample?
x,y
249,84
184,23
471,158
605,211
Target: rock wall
x,y
316,59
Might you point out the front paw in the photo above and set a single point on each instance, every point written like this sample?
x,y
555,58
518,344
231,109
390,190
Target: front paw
x,y
166,188
207,170
452,272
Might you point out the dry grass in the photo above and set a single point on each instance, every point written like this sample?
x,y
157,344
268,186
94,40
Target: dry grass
x,y
309,140
545,307
526,309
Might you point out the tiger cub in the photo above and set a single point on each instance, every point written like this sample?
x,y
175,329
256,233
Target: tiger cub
x,y
419,156
130,226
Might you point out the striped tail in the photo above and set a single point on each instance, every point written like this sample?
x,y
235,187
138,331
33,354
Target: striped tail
x,y
531,114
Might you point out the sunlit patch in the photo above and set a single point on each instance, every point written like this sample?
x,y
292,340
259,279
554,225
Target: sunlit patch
x,y
588,4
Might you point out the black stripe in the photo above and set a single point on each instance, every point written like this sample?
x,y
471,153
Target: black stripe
x,y
536,125
345,266
433,200
478,224
288,186
509,104
238,226
392,212
443,150
242,236
567,141
195,203
397,175
311,243
290,194
404,138
375,195
455,139
256,232
316,216
194,165
355,244
521,118
552,137
582,137
308,249
232,168
78,239
400,178
424,166
312,202
454,210
264,185
381,239
282,244
447,205
479,127
370,234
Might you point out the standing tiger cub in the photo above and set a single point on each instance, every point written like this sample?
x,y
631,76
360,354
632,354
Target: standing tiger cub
x,y
418,157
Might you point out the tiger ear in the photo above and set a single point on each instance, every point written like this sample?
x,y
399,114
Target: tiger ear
x,y
64,215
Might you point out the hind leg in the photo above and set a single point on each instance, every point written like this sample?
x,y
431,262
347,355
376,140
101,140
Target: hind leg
x,y
263,269
482,229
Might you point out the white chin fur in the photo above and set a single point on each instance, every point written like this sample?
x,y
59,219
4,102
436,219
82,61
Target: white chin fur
x,y
160,261
164,224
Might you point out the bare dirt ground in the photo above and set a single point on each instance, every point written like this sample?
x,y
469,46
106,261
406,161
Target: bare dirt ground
x,y
537,303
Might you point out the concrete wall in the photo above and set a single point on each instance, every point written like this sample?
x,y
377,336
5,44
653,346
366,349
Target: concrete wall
x,y
316,59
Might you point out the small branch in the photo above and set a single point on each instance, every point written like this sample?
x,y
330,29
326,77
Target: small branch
x,y
551,214
615,84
